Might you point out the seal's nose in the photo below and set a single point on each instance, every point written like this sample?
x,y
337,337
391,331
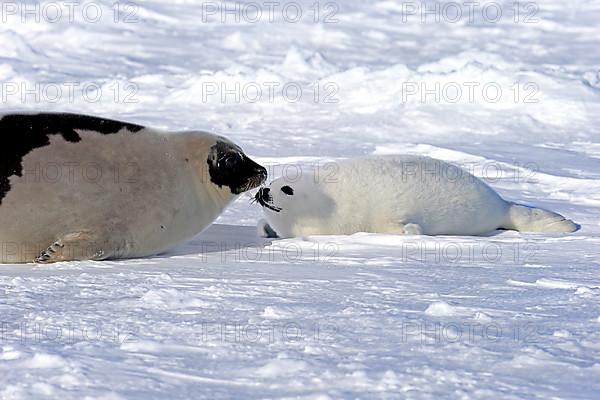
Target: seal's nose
x,y
264,194
265,199
262,172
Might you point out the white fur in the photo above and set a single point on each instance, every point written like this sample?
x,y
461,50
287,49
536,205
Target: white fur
x,y
398,195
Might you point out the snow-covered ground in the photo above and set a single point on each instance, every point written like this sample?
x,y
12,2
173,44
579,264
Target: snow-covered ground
x,y
229,315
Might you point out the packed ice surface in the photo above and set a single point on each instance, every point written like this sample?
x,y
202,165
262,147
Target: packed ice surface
x,y
229,315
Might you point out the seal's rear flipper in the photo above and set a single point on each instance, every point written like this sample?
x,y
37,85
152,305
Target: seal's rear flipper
x,y
530,219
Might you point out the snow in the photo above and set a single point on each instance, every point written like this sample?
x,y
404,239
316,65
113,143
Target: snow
x,y
440,309
230,315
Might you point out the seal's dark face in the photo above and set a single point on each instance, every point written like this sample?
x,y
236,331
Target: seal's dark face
x,y
229,166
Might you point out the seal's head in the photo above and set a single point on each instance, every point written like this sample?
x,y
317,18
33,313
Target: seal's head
x,y
265,198
277,202
229,167
287,205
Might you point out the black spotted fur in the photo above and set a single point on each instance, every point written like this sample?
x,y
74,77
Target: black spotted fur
x,y
22,133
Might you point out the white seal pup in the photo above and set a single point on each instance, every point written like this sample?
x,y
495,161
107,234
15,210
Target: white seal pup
x,y
76,187
395,194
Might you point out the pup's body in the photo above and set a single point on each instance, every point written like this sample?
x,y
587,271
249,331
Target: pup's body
x,y
398,195
74,187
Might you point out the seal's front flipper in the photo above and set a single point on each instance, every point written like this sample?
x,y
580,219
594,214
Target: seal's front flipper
x,y
413,229
265,230
75,246
405,229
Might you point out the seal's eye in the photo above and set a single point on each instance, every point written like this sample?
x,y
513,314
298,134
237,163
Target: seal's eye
x,y
287,190
230,160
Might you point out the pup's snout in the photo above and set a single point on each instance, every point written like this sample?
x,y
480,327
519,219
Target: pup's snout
x,y
264,194
264,198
